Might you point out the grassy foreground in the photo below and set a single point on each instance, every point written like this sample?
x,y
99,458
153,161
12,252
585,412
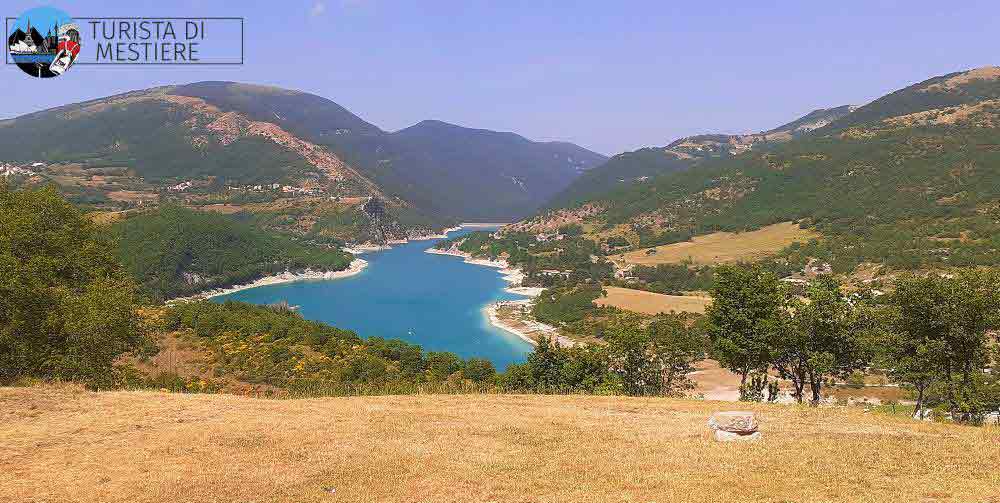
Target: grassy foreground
x,y
65,444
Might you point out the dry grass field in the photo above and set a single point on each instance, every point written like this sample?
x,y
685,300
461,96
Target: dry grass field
x,y
722,247
645,302
68,445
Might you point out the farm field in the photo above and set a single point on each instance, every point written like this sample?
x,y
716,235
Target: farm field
x,y
645,302
722,247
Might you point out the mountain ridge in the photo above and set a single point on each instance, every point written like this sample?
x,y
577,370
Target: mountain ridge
x,y
906,181
236,133
686,152
423,162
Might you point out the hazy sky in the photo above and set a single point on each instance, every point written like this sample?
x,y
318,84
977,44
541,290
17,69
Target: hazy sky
x,y
608,75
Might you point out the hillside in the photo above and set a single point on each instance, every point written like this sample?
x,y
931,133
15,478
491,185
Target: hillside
x,y
907,180
496,175
472,174
147,446
938,93
173,251
225,139
638,166
622,169
813,121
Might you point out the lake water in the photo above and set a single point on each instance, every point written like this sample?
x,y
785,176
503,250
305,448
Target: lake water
x,y
435,301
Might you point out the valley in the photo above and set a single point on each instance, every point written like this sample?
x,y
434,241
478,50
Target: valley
x,y
403,293
252,288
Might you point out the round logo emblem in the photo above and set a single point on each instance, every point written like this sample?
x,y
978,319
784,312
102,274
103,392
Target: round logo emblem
x,y
44,42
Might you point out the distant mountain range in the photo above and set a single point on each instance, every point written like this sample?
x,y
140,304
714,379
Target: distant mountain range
x,y
627,168
908,180
232,133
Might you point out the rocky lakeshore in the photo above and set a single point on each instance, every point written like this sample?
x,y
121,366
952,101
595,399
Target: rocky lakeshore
x,y
469,259
442,235
370,247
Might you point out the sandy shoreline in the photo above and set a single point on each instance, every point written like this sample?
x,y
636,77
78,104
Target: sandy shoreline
x,y
357,265
513,276
492,312
359,249
499,264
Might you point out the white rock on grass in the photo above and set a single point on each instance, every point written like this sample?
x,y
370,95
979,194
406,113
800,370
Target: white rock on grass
x,y
734,425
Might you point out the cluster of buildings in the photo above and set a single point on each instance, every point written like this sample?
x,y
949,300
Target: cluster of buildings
x,y
277,187
555,236
9,170
181,187
268,187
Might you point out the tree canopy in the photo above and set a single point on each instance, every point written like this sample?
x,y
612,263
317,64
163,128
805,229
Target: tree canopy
x,y
67,308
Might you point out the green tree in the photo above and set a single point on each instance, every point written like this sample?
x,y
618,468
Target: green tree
x,y
441,365
948,318
545,365
908,356
747,314
655,359
823,337
584,369
479,370
630,357
676,346
517,377
67,309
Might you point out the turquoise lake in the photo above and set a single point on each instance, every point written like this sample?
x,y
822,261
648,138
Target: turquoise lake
x,y
435,301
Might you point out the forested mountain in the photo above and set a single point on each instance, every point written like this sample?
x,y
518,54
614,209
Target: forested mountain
x,y
495,175
472,174
219,134
622,169
639,165
910,179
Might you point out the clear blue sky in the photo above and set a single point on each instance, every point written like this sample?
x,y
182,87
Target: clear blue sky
x,y
608,75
